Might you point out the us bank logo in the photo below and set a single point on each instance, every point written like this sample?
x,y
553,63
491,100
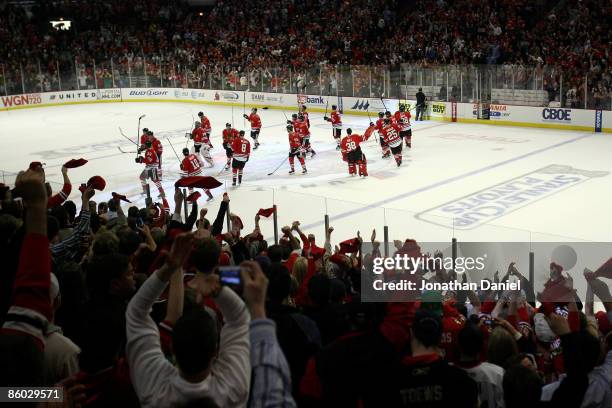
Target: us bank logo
x,y
501,199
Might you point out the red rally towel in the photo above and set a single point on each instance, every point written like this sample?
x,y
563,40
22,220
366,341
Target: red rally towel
x,y
349,246
266,212
193,197
203,182
71,164
120,197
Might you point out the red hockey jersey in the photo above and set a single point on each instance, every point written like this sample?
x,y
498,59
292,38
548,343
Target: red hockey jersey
x,y
336,120
156,144
302,128
255,121
295,140
241,148
350,143
205,124
191,165
199,136
403,120
150,158
391,135
229,135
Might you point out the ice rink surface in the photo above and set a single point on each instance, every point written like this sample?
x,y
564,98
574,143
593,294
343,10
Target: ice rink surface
x,y
475,182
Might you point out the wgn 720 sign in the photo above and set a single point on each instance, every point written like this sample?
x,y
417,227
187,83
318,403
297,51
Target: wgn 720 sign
x,y
557,114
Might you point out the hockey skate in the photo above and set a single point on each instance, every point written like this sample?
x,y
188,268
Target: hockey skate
x,y
304,171
292,171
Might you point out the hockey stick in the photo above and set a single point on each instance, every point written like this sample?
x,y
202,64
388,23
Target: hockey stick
x,y
243,108
177,156
327,103
222,170
138,135
123,151
187,135
123,134
278,167
383,102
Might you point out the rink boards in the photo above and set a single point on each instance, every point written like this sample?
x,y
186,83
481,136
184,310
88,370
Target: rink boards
x,y
505,115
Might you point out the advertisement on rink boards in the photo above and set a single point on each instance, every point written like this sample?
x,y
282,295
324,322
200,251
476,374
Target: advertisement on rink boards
x,y
371,106
438,109
16,101
109,94
147,93
496,111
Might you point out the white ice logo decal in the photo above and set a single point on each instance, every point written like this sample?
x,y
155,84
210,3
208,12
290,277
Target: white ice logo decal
x,y
503,198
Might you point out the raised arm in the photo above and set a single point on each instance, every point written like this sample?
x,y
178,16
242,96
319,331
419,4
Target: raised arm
x,y
31,309
271,380
63,194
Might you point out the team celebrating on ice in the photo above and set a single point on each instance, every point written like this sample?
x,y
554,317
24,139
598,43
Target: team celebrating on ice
x,y
393,131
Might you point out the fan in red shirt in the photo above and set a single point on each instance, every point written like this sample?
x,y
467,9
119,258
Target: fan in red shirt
x,y
151,170
390,133
191,166
303,129
295,149
229,134
384,146
336,122
255,122
201,144
241,150
402,118
352,151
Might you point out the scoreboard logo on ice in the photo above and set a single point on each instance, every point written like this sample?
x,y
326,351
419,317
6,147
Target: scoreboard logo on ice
x,y
488,204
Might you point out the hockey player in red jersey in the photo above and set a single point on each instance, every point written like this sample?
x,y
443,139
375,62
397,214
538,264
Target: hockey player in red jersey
x,y
159,148
352,151
305,114
241,150
229,134
390,132
151,170
191,166
205,124
302,129
255,122
295,149
144,136
402,118
384,146
201,144
336,122
294,120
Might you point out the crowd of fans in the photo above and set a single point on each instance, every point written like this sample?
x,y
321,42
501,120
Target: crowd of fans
x,y
547,45
128,308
